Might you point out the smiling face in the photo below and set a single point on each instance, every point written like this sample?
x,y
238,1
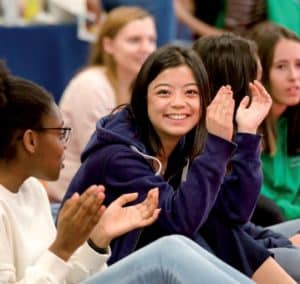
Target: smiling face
x,y
285,74
173,103
132,45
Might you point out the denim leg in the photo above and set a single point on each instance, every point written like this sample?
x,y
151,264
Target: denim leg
x,y
289,259
288,228
234,273
170,260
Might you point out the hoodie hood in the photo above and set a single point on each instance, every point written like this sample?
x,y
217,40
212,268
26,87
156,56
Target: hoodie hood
x,y
118,128
115,128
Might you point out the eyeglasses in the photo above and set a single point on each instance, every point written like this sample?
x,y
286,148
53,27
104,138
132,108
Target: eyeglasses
x,y
64,135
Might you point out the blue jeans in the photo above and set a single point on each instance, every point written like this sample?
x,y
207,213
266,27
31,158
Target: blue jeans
x,y
170,260
162,11
288,258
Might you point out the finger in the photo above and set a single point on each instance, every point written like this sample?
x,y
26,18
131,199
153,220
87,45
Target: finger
x,y
149,205
71,205
262,90
152,218
90,202
151,198
216,106
125,198
255,91
244,102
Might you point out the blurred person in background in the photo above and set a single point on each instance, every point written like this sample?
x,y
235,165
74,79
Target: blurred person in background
x,y
279,52
126,39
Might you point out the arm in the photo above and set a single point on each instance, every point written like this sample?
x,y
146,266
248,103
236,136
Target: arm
x,y
183,209
20,262
241,187
117,219
199,27
266,237
79,220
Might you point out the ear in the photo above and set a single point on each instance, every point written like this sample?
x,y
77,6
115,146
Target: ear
x,y
108,45
30,141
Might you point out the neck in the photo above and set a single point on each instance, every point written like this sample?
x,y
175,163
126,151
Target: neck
x,y
11,176
277,110
124,82
168,148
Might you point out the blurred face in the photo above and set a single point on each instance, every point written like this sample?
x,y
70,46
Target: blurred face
x,y
132,45
285,73
51,146
174,103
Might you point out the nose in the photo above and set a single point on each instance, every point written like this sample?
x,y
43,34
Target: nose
x,y
293,73
147,46
177,99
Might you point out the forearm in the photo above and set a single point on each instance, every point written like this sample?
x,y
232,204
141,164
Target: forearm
x,y
242,186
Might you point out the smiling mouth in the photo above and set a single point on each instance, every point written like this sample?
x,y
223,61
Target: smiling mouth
x,y
177,116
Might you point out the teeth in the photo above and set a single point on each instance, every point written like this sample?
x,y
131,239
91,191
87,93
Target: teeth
x,y
177,116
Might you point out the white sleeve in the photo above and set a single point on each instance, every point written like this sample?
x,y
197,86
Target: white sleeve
x,y
86,262
47,269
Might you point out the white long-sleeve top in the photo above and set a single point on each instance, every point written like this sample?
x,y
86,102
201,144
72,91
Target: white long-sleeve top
x,y
27,231
88,97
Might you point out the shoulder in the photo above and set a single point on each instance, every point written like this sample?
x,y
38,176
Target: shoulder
x,y
116,159
94,75
34,191
89,86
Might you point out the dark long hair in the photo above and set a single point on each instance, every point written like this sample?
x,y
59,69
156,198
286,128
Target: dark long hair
x,y
22,106
162,59
267,35
229,59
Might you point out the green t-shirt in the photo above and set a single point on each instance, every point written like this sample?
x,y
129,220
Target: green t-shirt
x,y
285,13
282,175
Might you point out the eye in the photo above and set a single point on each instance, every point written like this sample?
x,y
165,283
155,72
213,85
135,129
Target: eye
x,y
280,66
62,134
192,92
133,39
163,92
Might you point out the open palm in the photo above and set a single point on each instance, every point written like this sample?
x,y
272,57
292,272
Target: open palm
x,y
117,219
249,117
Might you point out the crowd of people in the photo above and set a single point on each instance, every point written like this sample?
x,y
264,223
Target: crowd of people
x,y
156,156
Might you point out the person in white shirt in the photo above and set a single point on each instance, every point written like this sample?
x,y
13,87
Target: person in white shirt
x,y
32,250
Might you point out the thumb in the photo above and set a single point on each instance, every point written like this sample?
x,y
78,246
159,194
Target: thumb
x,y
125,198
244,102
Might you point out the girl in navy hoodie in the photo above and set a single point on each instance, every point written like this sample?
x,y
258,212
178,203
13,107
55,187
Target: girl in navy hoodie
x,y
170,138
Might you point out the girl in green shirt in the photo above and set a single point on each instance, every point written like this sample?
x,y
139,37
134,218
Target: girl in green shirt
x,y
279,51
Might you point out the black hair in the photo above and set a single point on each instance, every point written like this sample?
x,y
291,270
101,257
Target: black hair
x,y
229,60
22,106
169,56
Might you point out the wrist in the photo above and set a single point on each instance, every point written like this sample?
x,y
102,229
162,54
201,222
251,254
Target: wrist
x,y
99,249
61,253
247,130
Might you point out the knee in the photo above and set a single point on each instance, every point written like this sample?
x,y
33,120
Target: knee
x,y
172,241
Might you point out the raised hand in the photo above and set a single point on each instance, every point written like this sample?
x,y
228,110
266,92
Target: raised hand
x,y
219,116
76,221
118,220
249,117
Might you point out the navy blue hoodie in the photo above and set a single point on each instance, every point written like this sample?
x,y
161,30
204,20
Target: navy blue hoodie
x,y
191,193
